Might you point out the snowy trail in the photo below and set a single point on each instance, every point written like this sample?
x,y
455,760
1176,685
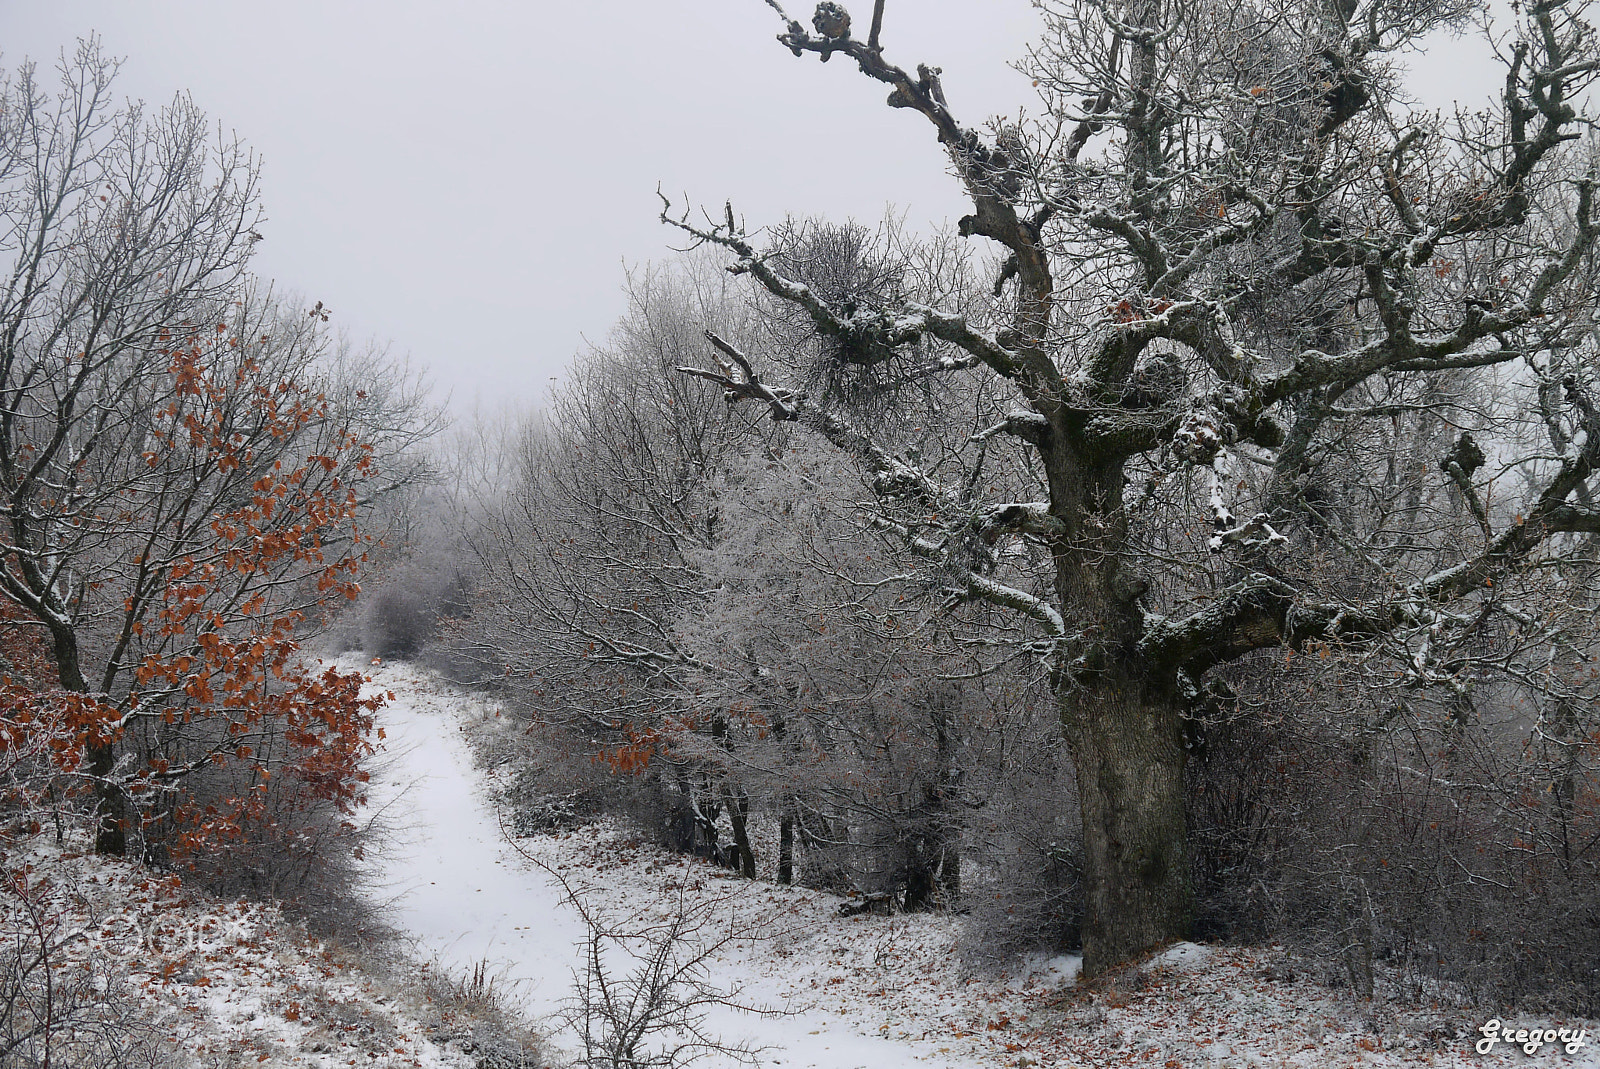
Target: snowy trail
x,y
458,889
464,895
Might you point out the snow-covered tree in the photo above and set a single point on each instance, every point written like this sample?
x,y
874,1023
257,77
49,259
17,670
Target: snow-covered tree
x,y
693,600
1287,363
587,556
186,463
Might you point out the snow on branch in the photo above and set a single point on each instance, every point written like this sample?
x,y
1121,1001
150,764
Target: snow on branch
x,y
1029,426
872,335
746,385
991,176
893,477
1255,531
1020,517
1247,615
1197,254
1480,339
1261,611
966,585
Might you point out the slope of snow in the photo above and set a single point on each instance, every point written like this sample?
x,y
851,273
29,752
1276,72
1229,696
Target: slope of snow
x,y
864,991
214,983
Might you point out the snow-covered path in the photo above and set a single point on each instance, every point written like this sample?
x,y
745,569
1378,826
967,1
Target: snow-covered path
x,y
457,888
465,896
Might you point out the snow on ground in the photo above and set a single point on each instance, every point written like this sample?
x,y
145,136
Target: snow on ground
x,y
884,992
467,895
454,886
216,984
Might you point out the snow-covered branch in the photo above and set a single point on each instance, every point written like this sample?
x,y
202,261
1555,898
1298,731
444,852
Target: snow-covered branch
x,y
893,477
870,336
967,585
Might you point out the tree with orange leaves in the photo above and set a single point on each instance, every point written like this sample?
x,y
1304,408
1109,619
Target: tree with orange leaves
x,y
183,485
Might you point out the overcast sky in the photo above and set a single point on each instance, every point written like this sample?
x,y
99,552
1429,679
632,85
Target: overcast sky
x,y
465,181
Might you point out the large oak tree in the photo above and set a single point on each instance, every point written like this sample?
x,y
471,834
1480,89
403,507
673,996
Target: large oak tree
x,y
1242,290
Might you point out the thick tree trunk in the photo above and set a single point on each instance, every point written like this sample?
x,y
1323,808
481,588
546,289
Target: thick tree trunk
x,y
1123,722
1128,751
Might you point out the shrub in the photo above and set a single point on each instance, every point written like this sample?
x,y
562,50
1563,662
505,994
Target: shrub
x,y
1432,842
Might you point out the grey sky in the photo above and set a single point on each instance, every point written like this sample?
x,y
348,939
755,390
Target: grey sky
x,y
466,180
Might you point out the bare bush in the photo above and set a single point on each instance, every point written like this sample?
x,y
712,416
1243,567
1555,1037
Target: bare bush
x,y
469,1012
431,582
1426,841
62,1004
643,992
1023,888
301,852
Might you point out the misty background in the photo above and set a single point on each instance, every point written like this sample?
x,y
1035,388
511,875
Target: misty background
x,y
466,183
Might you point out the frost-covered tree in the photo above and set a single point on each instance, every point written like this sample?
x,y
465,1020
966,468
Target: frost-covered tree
x,y
683,592
1288,364
187,465
813,642
587,557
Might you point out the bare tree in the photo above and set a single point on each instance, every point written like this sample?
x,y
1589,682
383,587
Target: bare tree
x,y
1241,285
588,556
849,721
701,605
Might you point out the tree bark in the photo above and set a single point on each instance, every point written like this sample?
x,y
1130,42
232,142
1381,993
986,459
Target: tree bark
x,y
786,847
738,809
1127,747
100,756
111,834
